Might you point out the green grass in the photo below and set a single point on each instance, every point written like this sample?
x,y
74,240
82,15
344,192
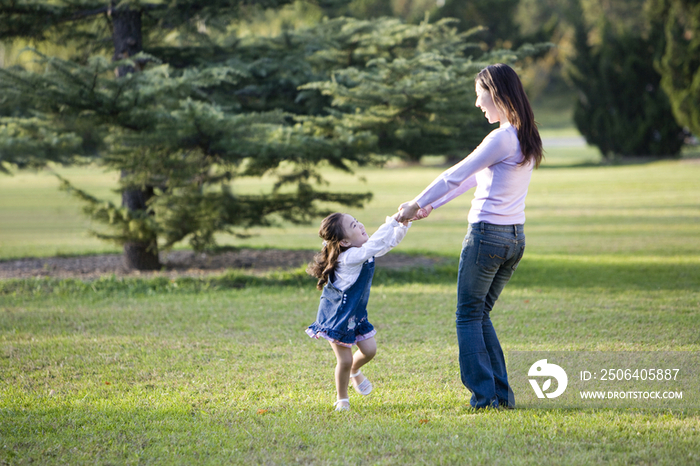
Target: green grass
x,y
573,207
161,372
37,220
219,371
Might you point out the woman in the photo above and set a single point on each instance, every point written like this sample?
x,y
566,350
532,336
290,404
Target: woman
x,y
500,168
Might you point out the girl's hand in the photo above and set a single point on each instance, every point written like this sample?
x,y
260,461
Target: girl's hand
x,y
397,217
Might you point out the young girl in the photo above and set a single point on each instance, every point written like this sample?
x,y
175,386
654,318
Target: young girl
x,y
344,269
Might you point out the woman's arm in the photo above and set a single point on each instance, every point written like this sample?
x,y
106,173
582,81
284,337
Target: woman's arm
x,y
495,147
458,179
466,185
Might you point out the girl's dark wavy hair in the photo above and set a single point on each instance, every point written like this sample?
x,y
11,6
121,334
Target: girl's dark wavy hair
x,y
324,262
508,94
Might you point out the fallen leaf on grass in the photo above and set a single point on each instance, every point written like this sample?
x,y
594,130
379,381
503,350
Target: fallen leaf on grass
x,y
423,421
262,411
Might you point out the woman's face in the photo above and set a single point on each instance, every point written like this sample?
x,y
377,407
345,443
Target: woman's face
x,y
485,102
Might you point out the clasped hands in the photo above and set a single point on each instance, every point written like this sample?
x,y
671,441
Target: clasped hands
x,y
410,211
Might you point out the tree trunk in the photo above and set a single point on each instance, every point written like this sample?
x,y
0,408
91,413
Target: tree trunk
x,y
126,36
139,255
127,39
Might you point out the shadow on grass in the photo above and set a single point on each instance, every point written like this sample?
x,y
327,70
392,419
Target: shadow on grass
x,y
607,163
557,272
532,273
577,273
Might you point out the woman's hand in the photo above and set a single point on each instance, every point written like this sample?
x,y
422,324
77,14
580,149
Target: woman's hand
x,y
408,211
423,212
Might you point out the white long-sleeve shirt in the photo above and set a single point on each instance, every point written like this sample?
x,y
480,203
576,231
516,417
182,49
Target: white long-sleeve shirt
x,y
349,264
493,167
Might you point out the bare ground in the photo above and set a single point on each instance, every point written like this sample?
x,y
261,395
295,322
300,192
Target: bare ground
x,y
184,263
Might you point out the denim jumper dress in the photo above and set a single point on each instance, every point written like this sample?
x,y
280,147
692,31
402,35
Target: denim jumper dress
x,y
342,316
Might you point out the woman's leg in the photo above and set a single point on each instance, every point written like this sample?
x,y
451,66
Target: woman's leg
x,y
366,350
473,285
344,358
486,265
504,394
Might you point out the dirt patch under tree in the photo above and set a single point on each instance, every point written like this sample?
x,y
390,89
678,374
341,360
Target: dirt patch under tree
x,y
184,263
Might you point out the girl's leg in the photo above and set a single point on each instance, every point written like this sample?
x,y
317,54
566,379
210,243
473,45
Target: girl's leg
x,y
343,356
366,350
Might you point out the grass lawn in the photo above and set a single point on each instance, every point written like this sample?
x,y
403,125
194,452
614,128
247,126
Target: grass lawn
x,y
219,370
158,372
620,210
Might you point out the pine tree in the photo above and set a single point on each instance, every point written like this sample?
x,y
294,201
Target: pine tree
x,y
621,107
495,19
182,123
176,133
680,64
412,86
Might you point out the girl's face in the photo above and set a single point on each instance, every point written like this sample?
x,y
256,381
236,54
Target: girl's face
x,y
355,234
485,102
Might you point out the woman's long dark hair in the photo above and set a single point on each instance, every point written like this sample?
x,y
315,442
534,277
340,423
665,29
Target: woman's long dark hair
x,y
508,94
324,262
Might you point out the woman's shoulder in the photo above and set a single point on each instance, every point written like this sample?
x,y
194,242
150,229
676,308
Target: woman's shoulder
x,y
506,130
505,136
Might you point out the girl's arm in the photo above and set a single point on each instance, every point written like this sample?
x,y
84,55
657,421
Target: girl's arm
x,y
382,241
400,231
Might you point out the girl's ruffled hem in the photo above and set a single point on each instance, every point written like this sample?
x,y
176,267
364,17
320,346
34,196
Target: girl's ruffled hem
x,y
322,334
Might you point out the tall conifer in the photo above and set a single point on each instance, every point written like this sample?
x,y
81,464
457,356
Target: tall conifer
x,y
621,107
182,119
680,64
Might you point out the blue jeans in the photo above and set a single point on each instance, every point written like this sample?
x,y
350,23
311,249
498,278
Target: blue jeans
x,y
490,255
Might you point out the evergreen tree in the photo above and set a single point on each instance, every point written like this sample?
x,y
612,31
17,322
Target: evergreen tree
x,y
414,90
680,64
621,107
183,121
178,134
495,18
